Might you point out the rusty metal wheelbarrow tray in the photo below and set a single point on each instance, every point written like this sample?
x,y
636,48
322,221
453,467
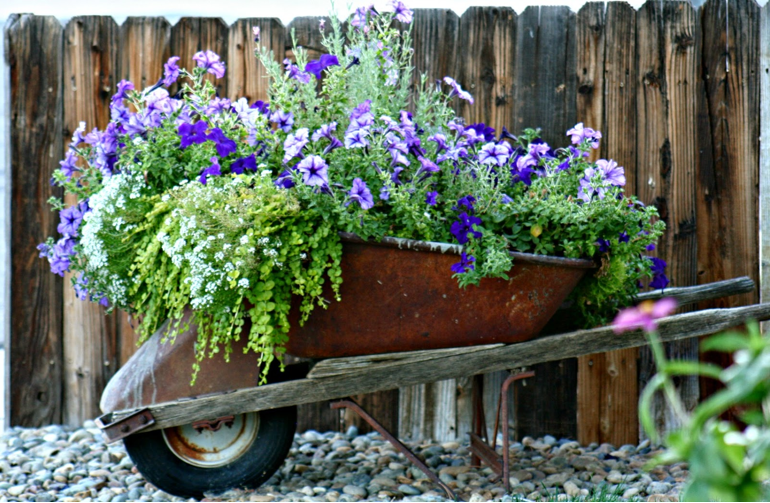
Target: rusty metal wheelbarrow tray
x,y
397,295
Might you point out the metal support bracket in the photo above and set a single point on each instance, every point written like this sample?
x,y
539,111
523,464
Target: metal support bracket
x,y
125,426
485,452
352,405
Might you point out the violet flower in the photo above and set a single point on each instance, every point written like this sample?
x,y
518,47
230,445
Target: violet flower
x,y
285,180
357,139
314,171
123,87
495,153
69,164
360,193
284,120
60,256
189,133
319,65
427,167
458,91
578,134
218,106
468,201
402,13
294,143
604,245
623,238
613,173
170,71
643,316
464,265
295,73
430,198
360,16
462,228
262,106
385,193
658,268
70,220
81,287
244,163
77,136
214,170
225,146
209,61
256,33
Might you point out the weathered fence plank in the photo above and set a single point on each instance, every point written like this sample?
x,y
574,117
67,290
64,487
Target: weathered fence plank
x,y
34,55
591,37
727,194
89,338
246,75
607,382
764,154
193,34
545,97
142,66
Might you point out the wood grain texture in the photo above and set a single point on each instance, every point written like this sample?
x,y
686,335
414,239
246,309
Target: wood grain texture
x,y
193,34
246,75
90,341
728,133
554,348
435,38
545,97
666,170
34,56
147,44
607,383
590,34
764,156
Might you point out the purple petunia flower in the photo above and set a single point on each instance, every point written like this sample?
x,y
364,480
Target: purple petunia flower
x,y
314,171
218,106
262,106
189,133
244,163
357,138
360,16
495,153
430,198
658,268
604,245
506,199
319,65
623,238
285,180
360,193
70,221
284,120
427,167
394,176
650,247
295,73
465,264
578,134
214,170
69,164
457,90
123,87
612,173
77,136
294,143
385,193
440,140
209,61
462,228
81,287
170,71
467,201
402,13
225,146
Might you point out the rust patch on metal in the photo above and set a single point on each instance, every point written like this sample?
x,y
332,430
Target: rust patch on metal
x,y
394,299
187,448
214,424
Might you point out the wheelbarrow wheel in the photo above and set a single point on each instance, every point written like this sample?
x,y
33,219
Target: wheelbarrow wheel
x,y
242,453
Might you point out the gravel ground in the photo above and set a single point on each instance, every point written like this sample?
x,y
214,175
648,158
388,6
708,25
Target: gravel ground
x,y
57,463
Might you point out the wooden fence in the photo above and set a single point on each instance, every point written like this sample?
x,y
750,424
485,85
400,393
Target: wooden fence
x,y
675,91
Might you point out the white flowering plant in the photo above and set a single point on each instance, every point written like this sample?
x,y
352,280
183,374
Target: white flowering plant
x,y
234,208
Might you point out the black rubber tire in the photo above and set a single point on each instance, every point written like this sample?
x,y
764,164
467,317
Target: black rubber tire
x,y
166,471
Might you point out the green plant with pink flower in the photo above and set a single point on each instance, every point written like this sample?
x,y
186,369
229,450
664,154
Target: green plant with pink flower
x,y
234,208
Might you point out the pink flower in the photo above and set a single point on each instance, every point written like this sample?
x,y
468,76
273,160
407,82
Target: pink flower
x,y
643,316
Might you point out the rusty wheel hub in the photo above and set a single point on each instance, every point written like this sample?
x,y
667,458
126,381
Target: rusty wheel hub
x,y
210,447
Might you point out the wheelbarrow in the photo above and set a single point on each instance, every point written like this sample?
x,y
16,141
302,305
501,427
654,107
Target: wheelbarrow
x,y
402,321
